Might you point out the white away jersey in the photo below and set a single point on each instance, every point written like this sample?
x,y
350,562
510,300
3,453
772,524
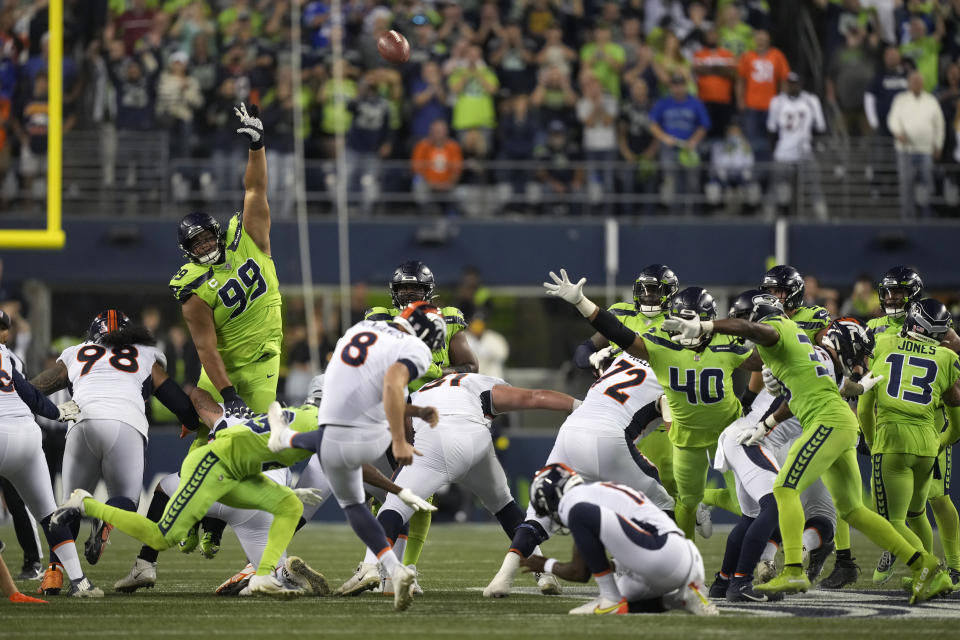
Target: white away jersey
x,y
108,382
626,502
795,120
353,381
11,406
459,397
622,398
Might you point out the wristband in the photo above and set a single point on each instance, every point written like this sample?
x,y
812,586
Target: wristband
x,y
576,405
769,423
706,326
548,565
586,307
228,393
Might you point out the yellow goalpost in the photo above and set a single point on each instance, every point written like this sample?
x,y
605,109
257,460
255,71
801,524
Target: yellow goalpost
x,y
52,237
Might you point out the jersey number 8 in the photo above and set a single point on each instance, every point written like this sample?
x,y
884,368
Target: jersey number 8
x,y
355,352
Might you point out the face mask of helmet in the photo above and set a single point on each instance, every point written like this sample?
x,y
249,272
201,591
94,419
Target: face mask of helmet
x,y
203,238
648,298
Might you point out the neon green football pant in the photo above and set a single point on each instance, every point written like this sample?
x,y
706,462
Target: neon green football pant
x,y
829,453
900,484
944,512
658,449
203,481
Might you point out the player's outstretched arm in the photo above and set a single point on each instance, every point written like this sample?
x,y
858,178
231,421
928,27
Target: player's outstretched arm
x,y
9,589
505,398
35,400
462,357
394,405
51,380
574,571
199,318
206,407
256,211
173,397
373,477
759,333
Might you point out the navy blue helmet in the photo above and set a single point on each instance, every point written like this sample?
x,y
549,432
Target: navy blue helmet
x,y
190,236
784,278
755,305
694,302
107,322
549,485
412,281
852,342
897,289
654,287
927,320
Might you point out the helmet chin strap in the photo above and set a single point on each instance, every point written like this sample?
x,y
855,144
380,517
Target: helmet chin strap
x,y
894,312
650,311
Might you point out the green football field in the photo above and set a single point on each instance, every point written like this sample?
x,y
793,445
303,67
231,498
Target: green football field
x,y
456,564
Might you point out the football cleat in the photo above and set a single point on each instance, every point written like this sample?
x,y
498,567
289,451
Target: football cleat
x,y
31,571
765,571
926,578
22,598
209,545
189,544
719,587
601,606
307,578
99,537
696,603
403,578
817,557
72,509
884,570
704,521
143,574
741,590
790,580
280,432
548,583
417,589
271,586
955,578
502,583
52,581
365,578
236,583
83,588
845,572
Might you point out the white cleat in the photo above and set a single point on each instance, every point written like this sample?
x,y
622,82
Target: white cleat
x,y
280,432
601,606
386,585
417,589
704,521
237,582
71,509
142,575
765,571
695,601
502,583
271,586
83,588
310,580
548,583
366,577
403,579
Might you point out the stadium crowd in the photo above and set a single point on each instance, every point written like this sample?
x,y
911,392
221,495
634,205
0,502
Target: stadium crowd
x,y
586,97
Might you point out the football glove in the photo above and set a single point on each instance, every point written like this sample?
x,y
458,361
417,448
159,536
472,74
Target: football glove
x,y
869,381
570,292
69,411
310,497
752,435
414,501
687,329
770,382
250,125
233,405
597,357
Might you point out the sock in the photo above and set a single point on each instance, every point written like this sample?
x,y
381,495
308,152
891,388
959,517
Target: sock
x,y
722,499
769,551
881,532
369,557
756,537
510,517
528,535
608,586
158,504
399,545
286,514
61,542
392,523
419,527
791,523
731,555
584,524
842,536
371,533
74,531
309,441
215,527
948,525
686,518
920,525
811,539
130,522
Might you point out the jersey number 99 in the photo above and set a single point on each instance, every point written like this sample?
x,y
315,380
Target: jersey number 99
x,y
250,286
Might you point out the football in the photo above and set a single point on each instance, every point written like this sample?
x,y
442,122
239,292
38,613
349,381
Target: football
x,y
393,47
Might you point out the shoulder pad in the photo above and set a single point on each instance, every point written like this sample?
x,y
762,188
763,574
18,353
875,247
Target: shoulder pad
x,y
186,286
377,313
662,342
452,315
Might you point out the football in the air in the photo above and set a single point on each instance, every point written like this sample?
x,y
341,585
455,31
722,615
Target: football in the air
x,y
393,47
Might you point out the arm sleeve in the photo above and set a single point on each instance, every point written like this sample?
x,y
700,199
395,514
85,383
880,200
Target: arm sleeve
x,y
172,397
31,396
581,356
613,330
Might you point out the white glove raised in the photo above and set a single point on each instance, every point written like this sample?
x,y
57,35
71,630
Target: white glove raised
x,y
250,125
687,329
69,411
310,497
570,292
597,357
770,381
415,501
869,381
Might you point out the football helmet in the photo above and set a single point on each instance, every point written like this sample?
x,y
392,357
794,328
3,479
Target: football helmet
x,y
315,391
653,289
549,485
694,302
189,236
927,320
852,342
787,279
424,321
107,322
412,281
755,305
899,280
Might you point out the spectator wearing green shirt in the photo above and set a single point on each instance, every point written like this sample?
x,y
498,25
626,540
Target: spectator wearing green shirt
x,y
228,20
735,35
924,50
605,59
473,87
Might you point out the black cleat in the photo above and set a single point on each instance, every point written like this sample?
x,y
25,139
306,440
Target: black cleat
x,y
817,557
31,571
955,578
845,572
93,547
741,590
719,587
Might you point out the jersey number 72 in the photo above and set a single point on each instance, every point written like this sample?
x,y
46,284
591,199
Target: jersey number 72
x,y
635,377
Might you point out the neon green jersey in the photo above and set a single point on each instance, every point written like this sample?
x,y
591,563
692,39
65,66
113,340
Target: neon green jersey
x,y
813,396
243,292
441,357
627,313
698,386
915,376
811,320
883,323
242,446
